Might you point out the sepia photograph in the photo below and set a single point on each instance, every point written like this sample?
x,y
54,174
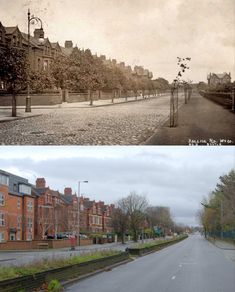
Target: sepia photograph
x,y
117,72
117,145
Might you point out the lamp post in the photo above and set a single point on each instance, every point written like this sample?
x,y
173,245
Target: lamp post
x,y
79,189
41,39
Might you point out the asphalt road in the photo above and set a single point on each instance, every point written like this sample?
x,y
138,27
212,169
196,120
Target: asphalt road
x,y
193,265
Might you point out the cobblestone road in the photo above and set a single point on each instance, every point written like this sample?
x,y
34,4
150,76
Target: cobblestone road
x,y
124,124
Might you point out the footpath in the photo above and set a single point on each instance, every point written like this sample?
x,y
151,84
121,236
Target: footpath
x,y
5,111
228,248
200,122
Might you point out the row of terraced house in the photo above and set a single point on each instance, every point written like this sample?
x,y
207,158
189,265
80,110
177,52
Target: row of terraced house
x,y
29,211
42,51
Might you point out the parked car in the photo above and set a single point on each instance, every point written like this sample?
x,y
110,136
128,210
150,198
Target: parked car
x,y
62,236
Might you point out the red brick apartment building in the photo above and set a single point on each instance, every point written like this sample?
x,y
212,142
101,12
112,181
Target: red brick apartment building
x,y
95,217
29,212
17,208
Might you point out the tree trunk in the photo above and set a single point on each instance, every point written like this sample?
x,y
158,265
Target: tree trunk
x,y
14,105
91,97
123,237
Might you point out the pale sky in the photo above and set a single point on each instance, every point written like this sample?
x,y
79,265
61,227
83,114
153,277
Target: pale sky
x,y
177,177
151,33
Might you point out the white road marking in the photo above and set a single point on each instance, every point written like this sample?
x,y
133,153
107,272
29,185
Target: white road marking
x,y
173,278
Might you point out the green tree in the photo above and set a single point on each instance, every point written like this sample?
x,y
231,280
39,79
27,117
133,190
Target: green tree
x,y
13,72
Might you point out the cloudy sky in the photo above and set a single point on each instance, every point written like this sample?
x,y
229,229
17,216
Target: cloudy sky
x,y
177,177
151,33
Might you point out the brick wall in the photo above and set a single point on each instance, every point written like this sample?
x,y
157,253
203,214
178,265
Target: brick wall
x,y
52,243
36,99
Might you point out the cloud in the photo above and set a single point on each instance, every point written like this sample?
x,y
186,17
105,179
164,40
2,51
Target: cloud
x,y
149,33
177,177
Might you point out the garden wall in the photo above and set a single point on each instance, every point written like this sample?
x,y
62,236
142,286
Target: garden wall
x,y
36,99
34,244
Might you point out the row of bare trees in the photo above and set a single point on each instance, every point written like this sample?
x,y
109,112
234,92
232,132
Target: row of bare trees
x,y
217,215
134,216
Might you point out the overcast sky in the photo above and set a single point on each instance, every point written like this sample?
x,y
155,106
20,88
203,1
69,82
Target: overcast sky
x,y
177,177
151,33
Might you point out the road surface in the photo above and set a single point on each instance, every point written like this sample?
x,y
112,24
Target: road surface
x,y
193,265
129,123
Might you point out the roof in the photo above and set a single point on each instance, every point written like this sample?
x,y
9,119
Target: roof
x,y
33,41
219,75
55,45
67,51
15,180
10,29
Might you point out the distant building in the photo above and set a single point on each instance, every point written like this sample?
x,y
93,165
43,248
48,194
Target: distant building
x,y
215,79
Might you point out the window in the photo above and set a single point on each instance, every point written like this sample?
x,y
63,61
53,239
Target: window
x,y
4,180
15,188
30,223
48,199
19,222
30,206
2,199
18,236
24,189
18,203
39,64
45,64
2,219
29,236
1,236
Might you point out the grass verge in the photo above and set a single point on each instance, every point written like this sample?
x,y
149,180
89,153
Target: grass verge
x,y
48,264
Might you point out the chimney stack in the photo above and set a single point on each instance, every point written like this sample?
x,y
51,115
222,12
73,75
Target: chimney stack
x,y
40,183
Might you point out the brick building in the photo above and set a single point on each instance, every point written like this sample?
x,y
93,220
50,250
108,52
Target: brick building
x,y
41,53
29,212
16,208
54,212
95,217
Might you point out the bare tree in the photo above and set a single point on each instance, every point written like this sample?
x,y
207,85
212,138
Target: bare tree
x,y
136,206
120,220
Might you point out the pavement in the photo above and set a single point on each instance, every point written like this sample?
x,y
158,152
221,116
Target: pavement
x,y
5,111
228,248
201,122
191,265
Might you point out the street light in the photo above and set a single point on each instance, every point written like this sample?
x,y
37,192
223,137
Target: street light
x,y
79,189
40,39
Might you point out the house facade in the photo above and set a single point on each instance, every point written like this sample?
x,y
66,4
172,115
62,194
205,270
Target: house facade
x,y
55,213
41,53
222,78
17,204
95,217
